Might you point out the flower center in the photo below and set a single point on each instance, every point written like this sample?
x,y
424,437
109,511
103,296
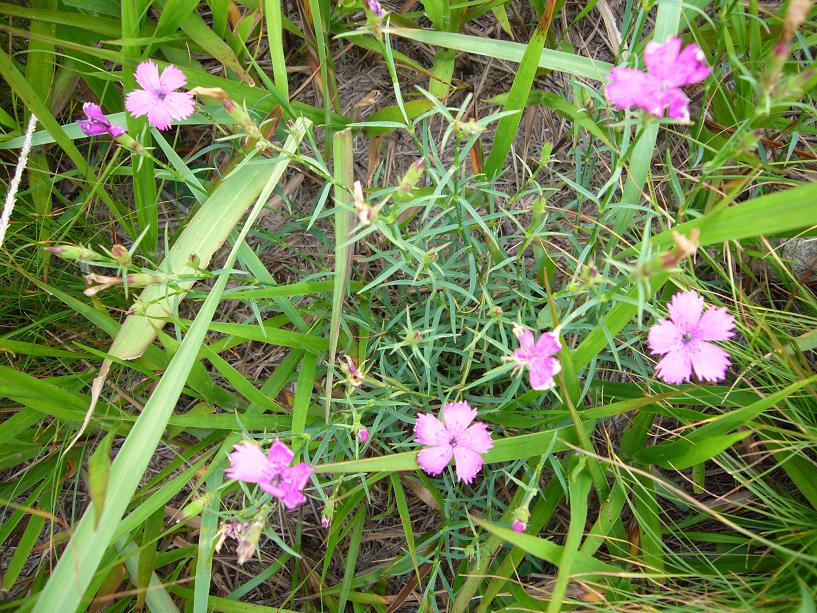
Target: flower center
x,y
453,441
686,337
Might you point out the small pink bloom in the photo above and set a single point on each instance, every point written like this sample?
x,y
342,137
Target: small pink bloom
x,y
96,123
325,522
363,435
685,340
519,526
158,98
271,472
374,7
668,70
458,437
538,357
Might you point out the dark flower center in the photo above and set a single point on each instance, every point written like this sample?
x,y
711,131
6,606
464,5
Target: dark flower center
x,y
686,337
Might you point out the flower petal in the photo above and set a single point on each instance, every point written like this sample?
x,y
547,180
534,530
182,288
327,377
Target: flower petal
x,y
433,460
476,437
709,361
147,75
661,59
140,102
664,337
430,430
685,309
180,105
280,455
542,373
94,112
716,324
632,88
677,103
159,117
468,464
675,368
172,78
248,463
457,417
691,67
548,344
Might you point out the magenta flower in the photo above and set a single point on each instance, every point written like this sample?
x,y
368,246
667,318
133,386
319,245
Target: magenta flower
x,y
271,472
519,526
95,122
668,70
158,98
363,435
685,340
458,437
538,357
374,7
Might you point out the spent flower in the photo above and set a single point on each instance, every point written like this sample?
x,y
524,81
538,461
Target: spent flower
x,y
685,340
271,472
158,98
669,68
457,436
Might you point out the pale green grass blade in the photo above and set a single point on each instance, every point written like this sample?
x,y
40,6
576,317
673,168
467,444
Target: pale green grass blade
x,y
207,540
503,50
508,126
579,491
85,550
344,220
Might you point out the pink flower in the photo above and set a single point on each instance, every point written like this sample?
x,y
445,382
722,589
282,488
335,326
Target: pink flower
x,y
363,435
519,526
668,70
458,437
271,472
684,340
96,123
158,98
538,357
374,7
325,522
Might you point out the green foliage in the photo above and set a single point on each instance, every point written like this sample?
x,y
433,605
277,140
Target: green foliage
x,y
264,279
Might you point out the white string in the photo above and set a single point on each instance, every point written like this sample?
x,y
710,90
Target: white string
x,y
8,207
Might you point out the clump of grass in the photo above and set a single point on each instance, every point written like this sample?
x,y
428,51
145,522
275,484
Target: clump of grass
x,y
611,490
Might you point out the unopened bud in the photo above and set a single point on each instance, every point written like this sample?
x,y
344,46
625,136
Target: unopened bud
x,y
75,252
412,176
521,516
193,508
363,435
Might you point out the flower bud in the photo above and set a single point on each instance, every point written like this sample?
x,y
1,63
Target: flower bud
x,y
520,519
75,252
363,435
412,176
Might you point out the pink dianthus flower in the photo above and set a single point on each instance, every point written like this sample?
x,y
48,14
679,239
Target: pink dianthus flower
x,y
685,340
95,122
158,98
537,356
271,472
668,70
458,437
